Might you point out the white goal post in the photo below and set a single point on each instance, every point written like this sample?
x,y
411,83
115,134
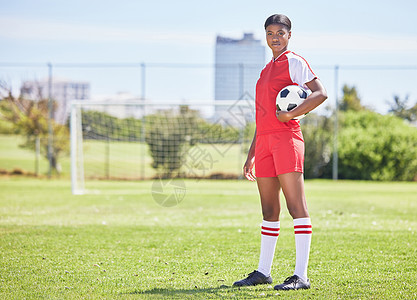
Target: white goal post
x,y
139,140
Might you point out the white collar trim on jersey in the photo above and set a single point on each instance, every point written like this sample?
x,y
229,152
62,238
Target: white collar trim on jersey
x,y
285,52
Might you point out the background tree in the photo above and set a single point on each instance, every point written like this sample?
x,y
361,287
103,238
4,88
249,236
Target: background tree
x,y
169,136
376,147
99,125
350,100
30,119
413,111
317,133
400,109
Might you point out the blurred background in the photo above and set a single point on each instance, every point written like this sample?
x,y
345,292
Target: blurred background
x,y
200,53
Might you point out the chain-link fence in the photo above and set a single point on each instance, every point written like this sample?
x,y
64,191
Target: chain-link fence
x,y
184,83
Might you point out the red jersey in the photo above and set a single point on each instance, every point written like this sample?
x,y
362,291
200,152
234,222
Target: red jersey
x,y
288,69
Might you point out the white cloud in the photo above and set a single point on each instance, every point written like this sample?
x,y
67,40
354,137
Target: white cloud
x,y
26,29
354,42
42,30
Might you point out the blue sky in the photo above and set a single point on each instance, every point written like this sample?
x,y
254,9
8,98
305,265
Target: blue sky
x,y
325,32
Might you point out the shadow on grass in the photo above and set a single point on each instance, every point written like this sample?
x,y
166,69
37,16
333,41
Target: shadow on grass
x,y
213,291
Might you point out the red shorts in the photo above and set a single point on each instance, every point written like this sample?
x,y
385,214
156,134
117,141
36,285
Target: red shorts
x,y
279,153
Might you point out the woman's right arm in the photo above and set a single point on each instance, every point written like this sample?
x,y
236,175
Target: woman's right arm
x,y
250,161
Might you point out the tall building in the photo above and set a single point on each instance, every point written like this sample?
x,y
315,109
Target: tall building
x,y
63,91
238,65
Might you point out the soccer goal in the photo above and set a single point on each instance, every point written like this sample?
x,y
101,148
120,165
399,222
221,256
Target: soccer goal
x,y
140,140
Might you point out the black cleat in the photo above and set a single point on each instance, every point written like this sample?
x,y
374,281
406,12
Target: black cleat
x,y
293,283
254,278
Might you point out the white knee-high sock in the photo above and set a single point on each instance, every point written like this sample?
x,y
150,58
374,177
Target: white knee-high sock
x,y
303,231
269,236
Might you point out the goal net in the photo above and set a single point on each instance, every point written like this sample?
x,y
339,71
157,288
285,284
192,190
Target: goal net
x,y
140,140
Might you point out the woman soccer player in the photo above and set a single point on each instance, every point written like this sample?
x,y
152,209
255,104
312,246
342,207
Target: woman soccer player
x,y
277,152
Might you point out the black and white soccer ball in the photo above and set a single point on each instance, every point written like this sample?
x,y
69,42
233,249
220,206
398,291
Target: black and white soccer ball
x,y
290,97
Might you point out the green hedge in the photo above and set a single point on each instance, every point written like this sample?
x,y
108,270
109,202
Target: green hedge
x,y
376,147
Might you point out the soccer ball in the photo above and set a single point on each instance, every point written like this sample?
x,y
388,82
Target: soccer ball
x,y
290,97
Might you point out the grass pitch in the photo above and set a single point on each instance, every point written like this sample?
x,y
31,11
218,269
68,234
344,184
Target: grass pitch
x,y
121,244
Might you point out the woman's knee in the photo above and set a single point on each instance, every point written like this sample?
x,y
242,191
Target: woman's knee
x,y
270,212
298,211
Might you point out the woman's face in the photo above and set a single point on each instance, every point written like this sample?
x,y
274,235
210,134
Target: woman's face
x,y
277,38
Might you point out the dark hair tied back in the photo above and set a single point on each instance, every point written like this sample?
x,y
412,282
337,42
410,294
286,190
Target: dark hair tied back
x,y
278,19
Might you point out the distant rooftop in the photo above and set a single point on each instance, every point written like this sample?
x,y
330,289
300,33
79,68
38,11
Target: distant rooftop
x,y
55,80
248,38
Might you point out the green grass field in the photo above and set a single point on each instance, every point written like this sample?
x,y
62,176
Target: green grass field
x,y
121,244
14,157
